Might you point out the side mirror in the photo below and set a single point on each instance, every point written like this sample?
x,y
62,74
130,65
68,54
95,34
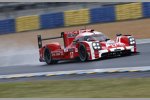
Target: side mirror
x,y
118,34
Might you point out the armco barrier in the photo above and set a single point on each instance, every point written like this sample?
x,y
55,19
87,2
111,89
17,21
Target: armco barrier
x,y
76,17
103,14
26,23
7,26
51,20
146,9
129,11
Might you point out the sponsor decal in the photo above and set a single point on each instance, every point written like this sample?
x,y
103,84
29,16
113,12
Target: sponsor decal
x,y
60,53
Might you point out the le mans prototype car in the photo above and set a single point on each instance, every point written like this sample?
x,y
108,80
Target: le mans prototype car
x,y
85,44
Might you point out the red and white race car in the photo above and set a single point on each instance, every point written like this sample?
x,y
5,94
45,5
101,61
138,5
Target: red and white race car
x,y
85,44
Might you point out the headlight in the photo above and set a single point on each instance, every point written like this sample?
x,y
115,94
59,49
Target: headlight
x,y
132,40
96,46
99,47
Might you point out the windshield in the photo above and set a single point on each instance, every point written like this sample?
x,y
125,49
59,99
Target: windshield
x,y
96,37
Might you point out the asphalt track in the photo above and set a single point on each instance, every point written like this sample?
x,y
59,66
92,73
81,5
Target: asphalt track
x,y
142,59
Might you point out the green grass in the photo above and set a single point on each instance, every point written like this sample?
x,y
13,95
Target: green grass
x,y
91,88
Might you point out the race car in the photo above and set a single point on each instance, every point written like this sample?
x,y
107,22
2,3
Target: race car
x,y
85,45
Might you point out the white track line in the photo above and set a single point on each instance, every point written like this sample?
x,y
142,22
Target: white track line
x,y
88,71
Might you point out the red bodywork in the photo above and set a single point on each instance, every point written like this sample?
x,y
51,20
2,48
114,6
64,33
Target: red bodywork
x,y
94,49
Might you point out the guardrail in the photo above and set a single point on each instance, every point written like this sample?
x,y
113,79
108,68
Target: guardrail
x,y
52,20
7,26
76,17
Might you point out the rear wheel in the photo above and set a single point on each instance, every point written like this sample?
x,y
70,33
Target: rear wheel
x,y
83,56
48,57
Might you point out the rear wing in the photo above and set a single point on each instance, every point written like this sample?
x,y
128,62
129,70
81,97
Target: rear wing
x,y
39,38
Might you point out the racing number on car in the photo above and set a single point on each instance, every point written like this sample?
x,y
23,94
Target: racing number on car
x,y
71,54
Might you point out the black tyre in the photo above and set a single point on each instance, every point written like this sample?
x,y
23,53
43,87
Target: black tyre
x,y
83,56
48,56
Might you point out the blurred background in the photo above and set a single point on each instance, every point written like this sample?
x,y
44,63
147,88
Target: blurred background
x,y
25,16
17,9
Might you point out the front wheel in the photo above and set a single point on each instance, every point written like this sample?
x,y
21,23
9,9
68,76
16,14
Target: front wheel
x,y
83,56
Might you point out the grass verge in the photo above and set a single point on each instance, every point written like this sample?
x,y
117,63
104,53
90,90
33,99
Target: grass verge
x,y
91,88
